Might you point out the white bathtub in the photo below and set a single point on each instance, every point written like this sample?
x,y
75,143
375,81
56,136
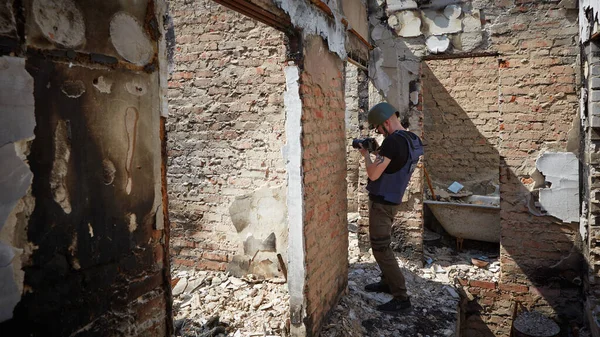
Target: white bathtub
x,y
478,218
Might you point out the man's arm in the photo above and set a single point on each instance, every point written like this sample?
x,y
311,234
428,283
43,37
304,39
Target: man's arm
x,y
375,168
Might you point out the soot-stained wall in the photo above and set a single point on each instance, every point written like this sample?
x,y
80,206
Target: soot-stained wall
x,y
92,227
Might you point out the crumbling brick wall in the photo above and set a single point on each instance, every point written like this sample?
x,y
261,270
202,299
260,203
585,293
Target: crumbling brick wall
x,y
537,95
226,126
324,167
461,121
591,193
356,98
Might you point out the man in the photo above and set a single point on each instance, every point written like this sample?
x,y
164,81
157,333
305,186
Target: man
x,y
389,175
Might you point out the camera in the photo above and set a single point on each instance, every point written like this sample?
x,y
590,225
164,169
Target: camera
x,y
370,144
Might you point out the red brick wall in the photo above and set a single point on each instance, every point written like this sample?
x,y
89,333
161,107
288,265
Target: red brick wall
x,y
538,103
461,120
324,167
226,126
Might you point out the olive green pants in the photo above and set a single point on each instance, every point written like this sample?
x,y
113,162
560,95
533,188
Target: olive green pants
x,y
381,218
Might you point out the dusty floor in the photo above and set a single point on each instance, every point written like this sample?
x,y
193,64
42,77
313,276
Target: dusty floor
x,y
216,304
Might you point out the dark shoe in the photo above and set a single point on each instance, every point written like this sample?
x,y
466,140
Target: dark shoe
x,y
378,288
395,306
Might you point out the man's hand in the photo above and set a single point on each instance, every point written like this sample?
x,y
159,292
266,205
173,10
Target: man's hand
x,y
362,150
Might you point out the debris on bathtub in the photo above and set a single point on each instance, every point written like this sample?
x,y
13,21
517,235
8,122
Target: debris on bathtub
x,y
441,194
455,187
479,263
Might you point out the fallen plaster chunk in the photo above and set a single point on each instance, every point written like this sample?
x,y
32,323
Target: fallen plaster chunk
x,y
437,44
399,5
16,100
561,200
15,179
409,24
436,23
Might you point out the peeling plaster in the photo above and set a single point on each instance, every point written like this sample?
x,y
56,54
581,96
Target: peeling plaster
x,y
260,219
60,21
437,44
15,179
7,20
73,89
136,87
132,222
398,5
108,171
313,21
293,157
62,154
408,23
130,40
18,120
587,28
436,23
561,170
131,119
104,85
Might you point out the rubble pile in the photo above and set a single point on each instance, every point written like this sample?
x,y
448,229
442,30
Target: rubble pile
x,y
210,303
445,264
435,302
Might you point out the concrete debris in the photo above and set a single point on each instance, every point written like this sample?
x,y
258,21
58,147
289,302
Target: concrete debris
x,y
245,306
455,264
248,306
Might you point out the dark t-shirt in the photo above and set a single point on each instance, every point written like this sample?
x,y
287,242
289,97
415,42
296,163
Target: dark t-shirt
x,y
394,147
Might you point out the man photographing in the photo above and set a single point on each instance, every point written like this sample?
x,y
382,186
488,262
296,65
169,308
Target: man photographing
x,y
389,176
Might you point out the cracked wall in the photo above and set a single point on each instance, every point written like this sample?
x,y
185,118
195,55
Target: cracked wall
x,y
226,171
90,232
537,58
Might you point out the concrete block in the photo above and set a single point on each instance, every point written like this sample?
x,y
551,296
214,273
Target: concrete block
x,y
436,23
594,95
595,83
594,121
399,5
409,24
437,44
